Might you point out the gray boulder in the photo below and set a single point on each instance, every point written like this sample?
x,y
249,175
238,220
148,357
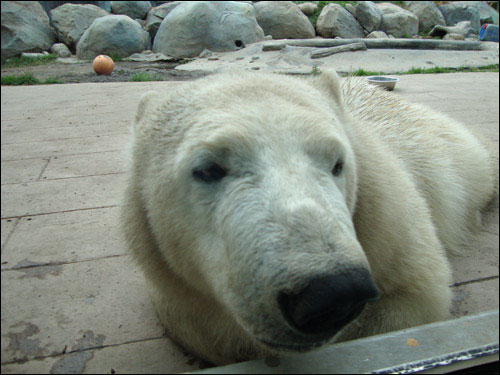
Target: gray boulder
x,y
60,50
368,15
456,11
427,12
71,21
486,11
377,35
283,20
335,21
133,9
397,21
104,5
462,28
308,8
215,25
350,8
116,35
25,28
156,15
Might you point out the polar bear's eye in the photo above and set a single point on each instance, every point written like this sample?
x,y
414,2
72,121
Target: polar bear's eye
x,y
210,173
337,169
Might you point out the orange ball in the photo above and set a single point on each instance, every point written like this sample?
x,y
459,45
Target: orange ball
x,y
103,65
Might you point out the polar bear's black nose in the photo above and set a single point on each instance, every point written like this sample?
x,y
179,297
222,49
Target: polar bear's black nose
x,y
327,303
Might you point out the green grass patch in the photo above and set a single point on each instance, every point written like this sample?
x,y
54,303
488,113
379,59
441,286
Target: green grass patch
x,y
26,79
51,81
362,73
23,79
143,77
115,58
15,62
437,69
434,70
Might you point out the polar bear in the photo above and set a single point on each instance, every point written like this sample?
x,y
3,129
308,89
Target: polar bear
x,y
274,214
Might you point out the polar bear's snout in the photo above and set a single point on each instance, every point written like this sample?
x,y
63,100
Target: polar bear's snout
x,y
327,303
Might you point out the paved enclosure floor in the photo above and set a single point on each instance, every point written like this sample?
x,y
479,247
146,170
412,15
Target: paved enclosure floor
x,y
297,59
71,300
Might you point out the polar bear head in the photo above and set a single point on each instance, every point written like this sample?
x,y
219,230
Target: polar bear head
x,y
249,184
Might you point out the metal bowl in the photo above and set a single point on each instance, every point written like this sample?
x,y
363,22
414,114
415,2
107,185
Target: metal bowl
x,y
387,83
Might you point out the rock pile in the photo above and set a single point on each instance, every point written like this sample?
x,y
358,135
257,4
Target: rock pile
x,y
185,29
335,21
397,21
96,41
25,28
218,26
133,9
71,21
427,13
283,19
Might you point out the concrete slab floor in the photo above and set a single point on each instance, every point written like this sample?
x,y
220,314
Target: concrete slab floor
x,y
71,300
294,59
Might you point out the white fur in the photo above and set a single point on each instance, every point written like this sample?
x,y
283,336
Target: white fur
x,y
216,254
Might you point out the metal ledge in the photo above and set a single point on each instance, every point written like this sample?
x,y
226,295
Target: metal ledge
x,y
432,348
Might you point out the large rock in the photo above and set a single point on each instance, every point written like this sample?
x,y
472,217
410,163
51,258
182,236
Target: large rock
x,y
427,12
156,15
25,28
215,25
308,8
368,15
377,35
71,21
60,50
351,9
334,21
133,9
486,11
462,28
49,5
283,20
397,21
456,11
116,35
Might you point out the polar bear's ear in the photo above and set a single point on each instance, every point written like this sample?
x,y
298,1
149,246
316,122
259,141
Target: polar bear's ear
x,y
145,104
329,82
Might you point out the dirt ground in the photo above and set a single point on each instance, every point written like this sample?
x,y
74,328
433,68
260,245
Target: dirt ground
x,y
82,71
